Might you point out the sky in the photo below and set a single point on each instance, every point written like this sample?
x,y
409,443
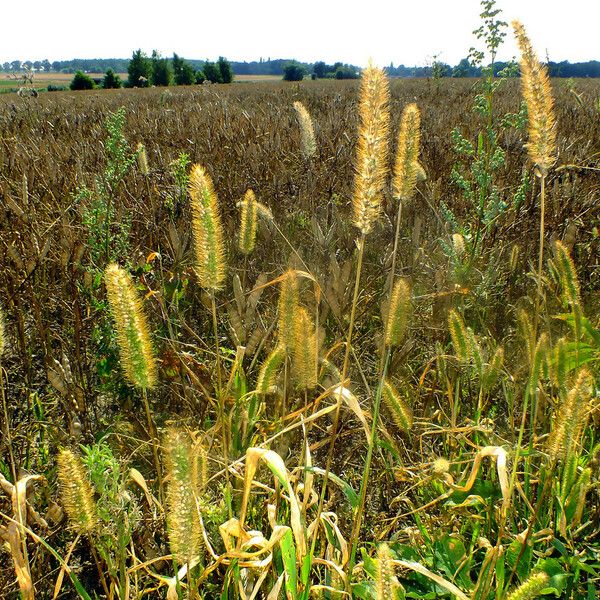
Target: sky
x,y
397,31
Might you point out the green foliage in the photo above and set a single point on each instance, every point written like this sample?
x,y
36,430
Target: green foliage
x,y
293,71
81,81
139,70
183,72
111,80
212,72
225,70
162,75
199,77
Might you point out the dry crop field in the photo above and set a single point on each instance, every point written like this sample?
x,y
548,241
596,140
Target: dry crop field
x,y
357,378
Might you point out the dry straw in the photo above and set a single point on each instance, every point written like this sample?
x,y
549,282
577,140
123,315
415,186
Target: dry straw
x,y
136,351
307,132
207,229
407,167
372,152
76,493
537,92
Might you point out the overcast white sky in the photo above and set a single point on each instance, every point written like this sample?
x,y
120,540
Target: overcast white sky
x,y
308,30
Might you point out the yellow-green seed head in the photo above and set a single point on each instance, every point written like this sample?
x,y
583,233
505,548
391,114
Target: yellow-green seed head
x,y
307,132
137,355
305,350
265,383
2,334
567,274
460,336
76,493
399,313
142,159
398,407
287,307
406,168
531,588
207,229
372,153
386,583
248,223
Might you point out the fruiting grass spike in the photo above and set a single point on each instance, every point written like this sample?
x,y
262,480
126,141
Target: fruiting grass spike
x,y
400,410
249,222
142,159
407,168
287,307
531,587
385,580
2,334
307,133
372,153
460,336
268,371
305,350
183,523
399,313
537,92
137,356
76,492
567,273
207,229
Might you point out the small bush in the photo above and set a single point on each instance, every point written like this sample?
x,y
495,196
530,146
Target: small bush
x,y
293,72
56,88
81,81
111,81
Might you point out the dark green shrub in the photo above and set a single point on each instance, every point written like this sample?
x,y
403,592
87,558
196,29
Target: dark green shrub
x,y
111,81
81,81
293,71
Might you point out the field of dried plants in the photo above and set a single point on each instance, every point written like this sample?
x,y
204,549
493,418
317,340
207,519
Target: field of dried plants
x,y
363,377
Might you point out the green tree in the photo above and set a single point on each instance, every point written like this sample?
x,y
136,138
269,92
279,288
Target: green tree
x,y
81,82
212,72
321,69
161,70
293,71
225,70
200,77
111,80
183,72
139,70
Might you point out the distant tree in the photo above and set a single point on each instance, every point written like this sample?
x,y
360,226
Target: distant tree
x,y
15,65
294,71
111,80
462,69
212,72
200,77
37,65
46,65
225,70
139,70
161,70
183,72
320,69
81,81
346,72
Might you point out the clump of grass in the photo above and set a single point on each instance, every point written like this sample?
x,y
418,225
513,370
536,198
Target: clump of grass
x,y
76,493
137,355
307,133
208,231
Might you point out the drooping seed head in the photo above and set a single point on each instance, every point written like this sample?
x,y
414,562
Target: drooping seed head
x,y
287,307
137,355
406,169
76,493
399,313
207,229
248,223
537,92
307,132
372,152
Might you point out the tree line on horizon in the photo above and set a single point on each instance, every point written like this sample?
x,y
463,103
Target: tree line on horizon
x,y
277,67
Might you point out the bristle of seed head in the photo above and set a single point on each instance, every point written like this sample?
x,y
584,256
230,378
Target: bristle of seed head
x,y
571,418
142,159
305,357
460,336
538,363
287,307
372,153
531,587
385,580
399,313
208,231
537,92
397,406
183,523
526,332
248,224
567,274
307,132
265,383
406,168
137,355
76,492
492,370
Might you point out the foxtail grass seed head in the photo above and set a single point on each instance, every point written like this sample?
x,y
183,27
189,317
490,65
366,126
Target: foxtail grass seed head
x,y
398,407
406,168
137,355
287,307
458,243
307,132
525,329
531,588
567,274
207,229
249,223
493,369
142,159
571,418
372,152
265,384
460,336
76,493
386,583
537,92
183,523
399,313
305,350
2,334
